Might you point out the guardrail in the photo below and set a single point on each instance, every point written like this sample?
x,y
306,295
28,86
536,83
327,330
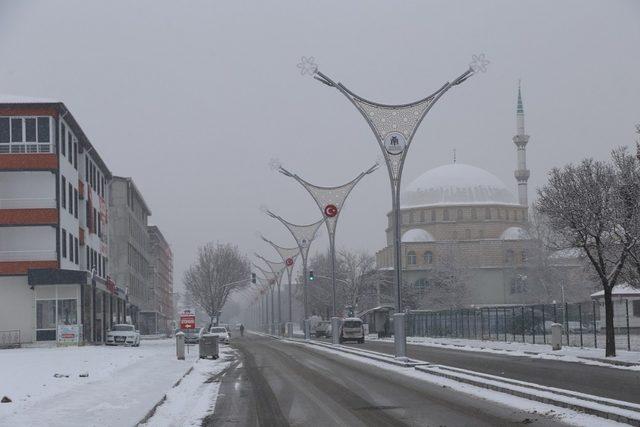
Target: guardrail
x,y
10,339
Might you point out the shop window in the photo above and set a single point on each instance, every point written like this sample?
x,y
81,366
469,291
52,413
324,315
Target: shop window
x,y
46,314
67,312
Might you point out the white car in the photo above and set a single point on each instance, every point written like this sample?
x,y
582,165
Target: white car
x,y
123,334
220,332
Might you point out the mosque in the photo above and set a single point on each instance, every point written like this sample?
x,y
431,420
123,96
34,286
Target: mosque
x,y
460,217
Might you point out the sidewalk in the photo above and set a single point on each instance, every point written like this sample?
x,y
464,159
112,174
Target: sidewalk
x,y
626,359
124,383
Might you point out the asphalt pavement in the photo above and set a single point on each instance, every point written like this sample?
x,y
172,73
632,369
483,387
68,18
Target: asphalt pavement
x,y
610,382
280,384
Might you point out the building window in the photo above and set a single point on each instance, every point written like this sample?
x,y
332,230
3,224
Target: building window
x,y
77,247
411,258
24,135
46,314
487,213
71,257
481,234
454,235
411,217
421,284
428,257
63,139
423,216
499,212
474,214
75,203
67,312
70,199
445,215
70,146
509,256
64,243
459,215
433,215
518,285
467,234
523,255
63,192
636,308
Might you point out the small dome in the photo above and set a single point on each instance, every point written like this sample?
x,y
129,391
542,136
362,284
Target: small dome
x,y
416,235
514,233
456,184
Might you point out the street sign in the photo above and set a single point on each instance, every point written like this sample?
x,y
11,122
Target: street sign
x,y
188,319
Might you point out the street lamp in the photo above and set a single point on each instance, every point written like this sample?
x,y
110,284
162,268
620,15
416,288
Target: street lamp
x,y
394,127
277,268
271,278
288,256
303,235
330,200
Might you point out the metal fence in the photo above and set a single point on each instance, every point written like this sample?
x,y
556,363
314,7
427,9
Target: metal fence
x,y
582,326
9,339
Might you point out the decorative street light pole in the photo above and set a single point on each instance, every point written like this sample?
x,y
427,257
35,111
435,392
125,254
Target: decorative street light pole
x,y
394,127
277,268
303,235
271,279
330,200
288,256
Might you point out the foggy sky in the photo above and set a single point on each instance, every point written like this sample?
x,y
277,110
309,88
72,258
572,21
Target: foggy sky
x,y
192,99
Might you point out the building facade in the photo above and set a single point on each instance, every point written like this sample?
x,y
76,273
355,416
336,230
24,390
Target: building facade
x,y
161,283
130,248
54,240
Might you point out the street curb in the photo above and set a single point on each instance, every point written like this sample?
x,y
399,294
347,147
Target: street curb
x,y
152,411
612,410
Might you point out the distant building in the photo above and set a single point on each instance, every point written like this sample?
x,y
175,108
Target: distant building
x,y
131,261
54,244
161,284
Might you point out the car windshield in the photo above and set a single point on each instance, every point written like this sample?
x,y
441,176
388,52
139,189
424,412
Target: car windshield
x,y
122,328
352,324
218,330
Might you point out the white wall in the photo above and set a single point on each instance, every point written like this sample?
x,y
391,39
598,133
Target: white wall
x,y
17,306
31,243
24,190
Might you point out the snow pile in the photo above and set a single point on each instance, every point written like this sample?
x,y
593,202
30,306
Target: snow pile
x,y
195,396
585,355
123,383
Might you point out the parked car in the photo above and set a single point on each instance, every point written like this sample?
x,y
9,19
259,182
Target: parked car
x,y
192,336
123,334
352,329
322,329
221,332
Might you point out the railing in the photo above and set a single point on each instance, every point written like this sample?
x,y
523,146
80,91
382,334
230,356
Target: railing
x,y
23,148
33,203
581,323
10,339
41,255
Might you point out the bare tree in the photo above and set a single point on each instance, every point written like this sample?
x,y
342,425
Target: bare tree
x,y
588,205
446,285
218,270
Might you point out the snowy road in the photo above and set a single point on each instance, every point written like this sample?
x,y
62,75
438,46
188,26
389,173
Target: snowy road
x,y
279,384
124,383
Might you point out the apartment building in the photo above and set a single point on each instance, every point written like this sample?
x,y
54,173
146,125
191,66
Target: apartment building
x,y
129,246
160,320
54,222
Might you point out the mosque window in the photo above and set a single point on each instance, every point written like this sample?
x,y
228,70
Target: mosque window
x,y
410,217
428,257
467,234
445,215
459,215
433,215
499,211
423,216
518,285
474,214
421,284
481,234
455,234
411,258
509,256
506,213
487,213
523,256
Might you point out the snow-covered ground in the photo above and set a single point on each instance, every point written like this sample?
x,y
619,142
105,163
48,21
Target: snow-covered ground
x,y
123,385
543,351
195,397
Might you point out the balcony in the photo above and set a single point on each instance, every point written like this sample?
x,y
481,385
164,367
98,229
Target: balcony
x,y
33,255
23,203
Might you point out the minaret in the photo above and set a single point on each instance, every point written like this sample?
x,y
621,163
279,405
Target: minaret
x,y
521,139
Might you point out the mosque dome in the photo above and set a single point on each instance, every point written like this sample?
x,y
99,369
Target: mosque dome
x,y
416,235
456,184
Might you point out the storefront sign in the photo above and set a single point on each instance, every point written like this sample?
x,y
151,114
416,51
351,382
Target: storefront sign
x,y
68,334
188,319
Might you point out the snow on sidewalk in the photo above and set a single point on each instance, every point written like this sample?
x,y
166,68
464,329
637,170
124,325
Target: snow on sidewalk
x,y
195,397
124,383
585,355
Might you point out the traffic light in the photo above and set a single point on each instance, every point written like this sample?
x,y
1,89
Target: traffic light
x,y
311,277
253,278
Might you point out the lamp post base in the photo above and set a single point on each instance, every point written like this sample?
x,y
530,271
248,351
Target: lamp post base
x,y
399,336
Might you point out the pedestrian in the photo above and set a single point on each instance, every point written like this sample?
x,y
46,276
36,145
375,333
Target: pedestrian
x,y
241,330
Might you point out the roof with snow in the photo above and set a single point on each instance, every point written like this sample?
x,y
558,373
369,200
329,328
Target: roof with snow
x,y
514,233
18,99
417,235
456,184
621,289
